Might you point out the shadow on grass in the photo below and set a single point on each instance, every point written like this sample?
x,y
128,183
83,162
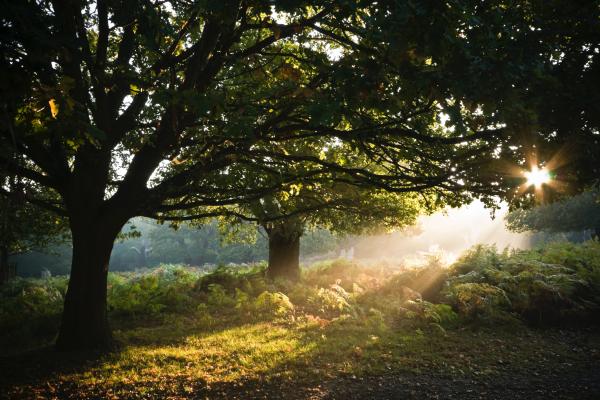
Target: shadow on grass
x,y
41,364
23,366
308,358
180,358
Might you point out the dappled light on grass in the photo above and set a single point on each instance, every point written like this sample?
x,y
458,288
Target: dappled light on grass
x,y
238,354
234,331
307,354
244,352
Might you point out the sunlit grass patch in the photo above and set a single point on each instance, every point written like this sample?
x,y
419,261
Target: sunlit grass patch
x,y
307,351
226,355
245,330
251,351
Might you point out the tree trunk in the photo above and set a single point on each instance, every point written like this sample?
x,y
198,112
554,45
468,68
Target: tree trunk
x,y
143,261
5,272
84,322
284,253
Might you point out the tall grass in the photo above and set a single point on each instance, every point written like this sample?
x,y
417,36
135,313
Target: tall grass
x,y
555,284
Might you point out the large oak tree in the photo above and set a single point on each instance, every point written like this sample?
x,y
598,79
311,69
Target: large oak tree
x,y
121,108
333,204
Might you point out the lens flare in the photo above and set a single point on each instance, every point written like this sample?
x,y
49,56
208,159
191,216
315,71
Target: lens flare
x,y
537,177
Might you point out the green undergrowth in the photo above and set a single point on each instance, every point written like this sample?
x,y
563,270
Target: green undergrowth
x,y
179,327
558,284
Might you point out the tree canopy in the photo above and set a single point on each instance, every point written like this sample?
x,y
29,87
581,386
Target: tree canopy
x,y
25,227
338,207
164,108
578,213
130,101
562,126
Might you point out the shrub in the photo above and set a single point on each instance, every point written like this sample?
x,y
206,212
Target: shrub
x,y
583,259
300,293
203,316
168,288
273,305
423,314
375,319
477,300
428,281
345,273
557,283
30,308
331,302
478,258
543,293
249,279
219,298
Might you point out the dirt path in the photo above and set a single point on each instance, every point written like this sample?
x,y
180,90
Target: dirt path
x,y
579,382
573,384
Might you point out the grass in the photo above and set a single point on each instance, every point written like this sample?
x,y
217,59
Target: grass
x,y
184,358
219,334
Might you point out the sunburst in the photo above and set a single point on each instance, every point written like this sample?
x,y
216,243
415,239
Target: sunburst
x,y
537,177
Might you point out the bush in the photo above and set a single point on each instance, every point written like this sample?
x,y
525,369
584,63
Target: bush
x,y
167,289
558,284
331,302
477,300
479,258
345,273
249,279
554,284
375,319
420,313
428,281
30,308
273,305
219,298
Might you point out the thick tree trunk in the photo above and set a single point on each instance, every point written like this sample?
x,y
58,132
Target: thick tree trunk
x,y
84,322
284,253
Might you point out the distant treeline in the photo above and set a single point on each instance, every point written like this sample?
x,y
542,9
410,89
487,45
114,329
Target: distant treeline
x,y
147,244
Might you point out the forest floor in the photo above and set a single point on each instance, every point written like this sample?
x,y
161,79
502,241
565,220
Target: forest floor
x,y
311,358
344,331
